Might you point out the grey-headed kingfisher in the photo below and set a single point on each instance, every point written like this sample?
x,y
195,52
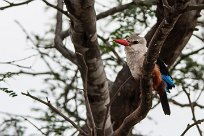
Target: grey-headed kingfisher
x,y
135,49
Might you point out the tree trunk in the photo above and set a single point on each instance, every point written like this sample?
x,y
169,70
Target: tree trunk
x,y
84,38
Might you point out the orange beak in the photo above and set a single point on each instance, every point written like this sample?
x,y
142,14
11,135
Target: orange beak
x,y
122,42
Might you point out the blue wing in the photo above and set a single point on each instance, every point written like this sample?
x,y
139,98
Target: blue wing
x,y
165,75
169,82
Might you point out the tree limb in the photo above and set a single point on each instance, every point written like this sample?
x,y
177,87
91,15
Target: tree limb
x,y
60,9
88,108
120,8
58,44
192,109
34,126
113,10
55,110
15,4
194,104
191,125
119,59
180,34
194,7
183,56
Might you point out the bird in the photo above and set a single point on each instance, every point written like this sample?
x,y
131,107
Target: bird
x,y
135,50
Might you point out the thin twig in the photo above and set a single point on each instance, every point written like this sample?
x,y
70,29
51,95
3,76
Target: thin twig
x,y
65,34
113,10
191,125
55,110
15,4
120,8
14,61
166,4
34,126
88,107
36,46
202,39
66,100
119,59
25,118
183,56
58,43
195,104
17,65
194,7
192,109
56,7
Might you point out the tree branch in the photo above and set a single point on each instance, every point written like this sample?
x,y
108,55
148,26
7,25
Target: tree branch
x,y
60,9
55,110
58,44
14,61
114,10
194,104
183,56
34,126
119,59
88,108
15,4
191,125
183,30
192,109
193,7
120,8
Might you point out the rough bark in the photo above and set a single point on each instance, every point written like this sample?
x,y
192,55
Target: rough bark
x,y
84,37
181,33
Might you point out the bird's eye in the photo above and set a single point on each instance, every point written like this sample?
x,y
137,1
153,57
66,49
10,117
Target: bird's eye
x,y
136,42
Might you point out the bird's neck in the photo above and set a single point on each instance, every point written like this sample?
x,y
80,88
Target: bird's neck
x,y
135,58
139,49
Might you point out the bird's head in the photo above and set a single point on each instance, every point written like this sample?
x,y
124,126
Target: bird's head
x,y
132,42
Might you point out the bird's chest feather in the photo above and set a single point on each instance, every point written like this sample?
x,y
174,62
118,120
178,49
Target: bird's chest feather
x,y
135,62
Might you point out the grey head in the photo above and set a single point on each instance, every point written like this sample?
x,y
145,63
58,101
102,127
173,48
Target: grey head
x,y
136,43
135,39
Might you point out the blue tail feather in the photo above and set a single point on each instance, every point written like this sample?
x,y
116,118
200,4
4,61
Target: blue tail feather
x,y
168,81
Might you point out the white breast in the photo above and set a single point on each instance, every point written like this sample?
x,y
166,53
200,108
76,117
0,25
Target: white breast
x,y
135,58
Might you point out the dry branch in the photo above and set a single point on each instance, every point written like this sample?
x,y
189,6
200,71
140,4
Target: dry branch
x,y
113,10
15,4
34,126
60,9
56,111
58,43
88,108
120,8
119,59
191,125
194,7
192,109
